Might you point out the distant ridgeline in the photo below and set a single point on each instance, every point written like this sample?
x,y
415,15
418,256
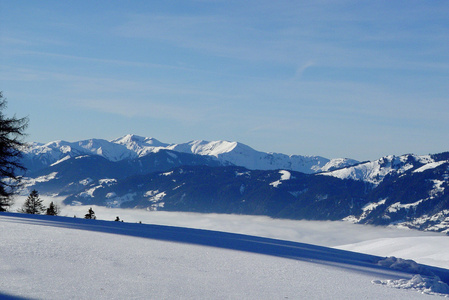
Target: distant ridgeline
x,y
229,177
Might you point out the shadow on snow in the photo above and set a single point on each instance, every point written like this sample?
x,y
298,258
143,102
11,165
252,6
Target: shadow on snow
x,y
354,261
11,297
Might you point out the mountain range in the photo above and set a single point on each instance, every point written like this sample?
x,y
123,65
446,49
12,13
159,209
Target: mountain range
x,y
230,177
133,147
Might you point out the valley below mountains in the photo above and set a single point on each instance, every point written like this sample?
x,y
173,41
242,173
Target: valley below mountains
x,y
230,177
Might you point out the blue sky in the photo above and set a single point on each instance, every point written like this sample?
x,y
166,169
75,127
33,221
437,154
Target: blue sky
x,y
358,79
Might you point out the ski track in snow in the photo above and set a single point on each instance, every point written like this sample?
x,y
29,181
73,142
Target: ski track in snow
x,y
92,259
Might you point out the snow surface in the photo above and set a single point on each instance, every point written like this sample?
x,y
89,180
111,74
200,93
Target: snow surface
x,y
285,175
430,166
27,182
45,257
84,259
375,171
140,145
430,250
338,163
419,283
61,160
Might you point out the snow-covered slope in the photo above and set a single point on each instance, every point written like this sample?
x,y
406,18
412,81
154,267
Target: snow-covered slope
x,y
141,146
375,171
241,155
87,259
132,146
426,249
47,154
338,163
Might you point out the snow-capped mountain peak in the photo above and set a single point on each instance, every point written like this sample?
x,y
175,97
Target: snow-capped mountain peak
x,y
214,148
201,147
139,145
110,151
132,139
375,171
133,146
338,163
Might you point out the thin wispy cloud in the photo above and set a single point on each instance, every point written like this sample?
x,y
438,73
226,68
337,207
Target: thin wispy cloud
x,y
238,68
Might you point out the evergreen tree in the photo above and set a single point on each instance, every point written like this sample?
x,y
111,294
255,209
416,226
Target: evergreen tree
x,y
53,209
90,214
33,204
11,134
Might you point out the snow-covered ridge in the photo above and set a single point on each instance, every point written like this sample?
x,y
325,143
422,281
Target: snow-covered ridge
x,y
55,151
431,165
141,146
228,153
375,171
242,155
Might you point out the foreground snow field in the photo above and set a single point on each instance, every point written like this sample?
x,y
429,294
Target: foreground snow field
x,y
44,257
424,247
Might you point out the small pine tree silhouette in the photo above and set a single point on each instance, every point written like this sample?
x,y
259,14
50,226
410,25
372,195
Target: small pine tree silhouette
x,y
33,204
11,143
90,214
53,209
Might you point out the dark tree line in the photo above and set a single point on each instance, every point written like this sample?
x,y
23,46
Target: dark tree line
x,y
33,205
12,132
